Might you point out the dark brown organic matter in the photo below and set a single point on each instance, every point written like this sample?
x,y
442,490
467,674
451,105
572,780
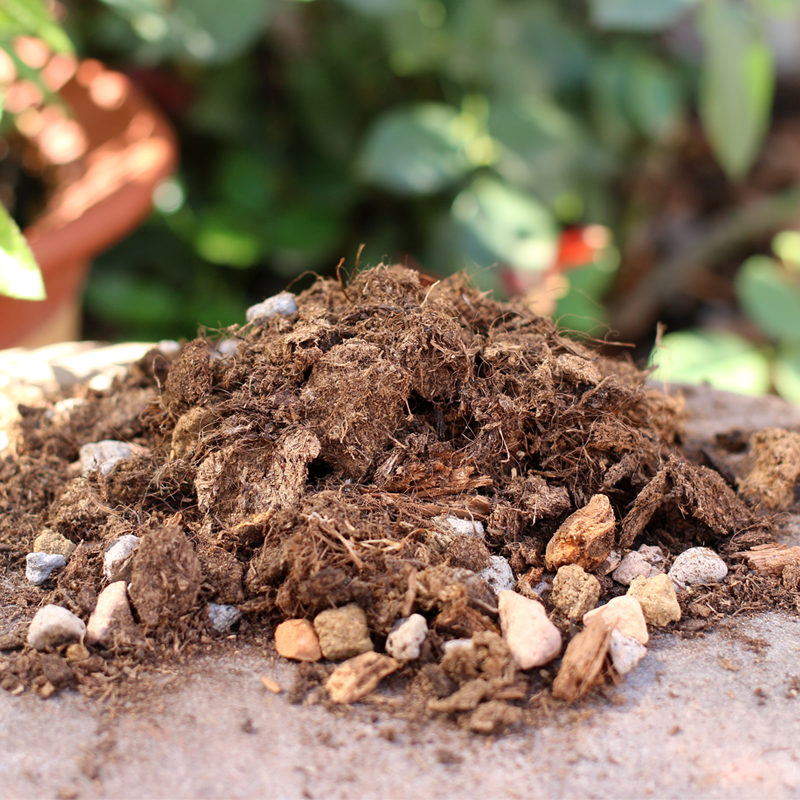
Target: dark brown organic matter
x,y
332,457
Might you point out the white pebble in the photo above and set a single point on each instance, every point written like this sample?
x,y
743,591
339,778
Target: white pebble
x,y
633,565
626,652
457,644
532,639
111,613
117,554
283,303
697,565
54,625
406,637
468,527
168,347
40,566
223,617
498,574
103,455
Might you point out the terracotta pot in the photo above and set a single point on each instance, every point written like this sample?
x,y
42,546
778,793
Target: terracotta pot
x,y
108,154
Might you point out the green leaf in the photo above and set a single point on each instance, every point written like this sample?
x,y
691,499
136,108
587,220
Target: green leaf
x,y
721,359
770,296
415,150
215,32
736,85
786,372
29,17
501,223
20,276
638,15
654,97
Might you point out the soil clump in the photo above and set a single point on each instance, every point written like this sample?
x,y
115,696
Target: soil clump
x,y
325,457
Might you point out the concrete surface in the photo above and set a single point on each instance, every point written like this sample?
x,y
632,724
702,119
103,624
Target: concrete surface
x,y
717,716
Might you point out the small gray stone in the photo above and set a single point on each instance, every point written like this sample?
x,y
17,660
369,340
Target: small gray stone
x,y
40,566
103,455
468,527
223,617
406,637
283,304
54,625
498,574
653,553
697,565
343,632
633,565
116,560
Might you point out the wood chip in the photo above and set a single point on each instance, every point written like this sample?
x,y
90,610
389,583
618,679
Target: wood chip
x,y
271,685
770,559
358,676
582,662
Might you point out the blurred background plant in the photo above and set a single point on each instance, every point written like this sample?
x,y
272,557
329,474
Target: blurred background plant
x,y
617,163
20,21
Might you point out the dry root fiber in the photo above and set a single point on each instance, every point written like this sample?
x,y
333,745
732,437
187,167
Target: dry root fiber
x,y
317,462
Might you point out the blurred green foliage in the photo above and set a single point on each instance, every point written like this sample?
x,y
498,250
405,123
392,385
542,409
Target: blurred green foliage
x,y
447,133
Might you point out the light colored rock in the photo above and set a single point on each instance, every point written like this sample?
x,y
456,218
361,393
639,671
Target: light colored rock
x,y
451,645
103,455
697,565
498,574
117,558
40,566
633,565
611,563
657,597
467,527
406,637
623,613
169,347
111,615
584,538
574,592
222,616
532,639
653,553
283,304
53,625
49,541
343,632
297,639
358,676
626,652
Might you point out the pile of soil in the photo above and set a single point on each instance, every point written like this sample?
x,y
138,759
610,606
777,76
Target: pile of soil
x,y
307,461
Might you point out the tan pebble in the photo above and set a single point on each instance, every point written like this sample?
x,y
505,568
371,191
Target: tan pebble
x,y
271,685
297,639
584,538
657,598
358,676
77,652
623,613
50,541
574,592
532,639
343,632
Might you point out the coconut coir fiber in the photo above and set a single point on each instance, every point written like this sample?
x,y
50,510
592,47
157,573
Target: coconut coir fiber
x,y
311,466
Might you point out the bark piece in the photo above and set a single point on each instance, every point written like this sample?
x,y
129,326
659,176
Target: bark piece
x,y
358,676
583,662
585,538
770,559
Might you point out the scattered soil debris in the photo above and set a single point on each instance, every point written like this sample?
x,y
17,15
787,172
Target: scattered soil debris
x,y
386,446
